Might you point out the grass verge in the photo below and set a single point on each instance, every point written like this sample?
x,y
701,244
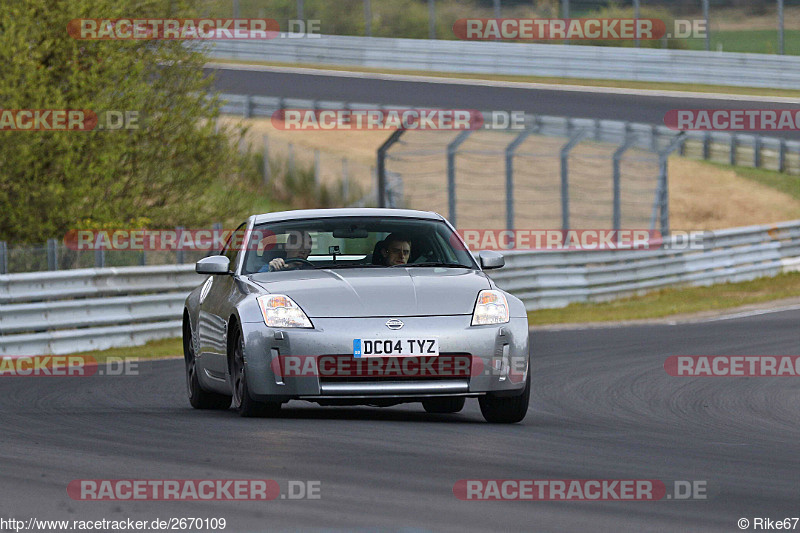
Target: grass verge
x,y
674,301
157,349
780,181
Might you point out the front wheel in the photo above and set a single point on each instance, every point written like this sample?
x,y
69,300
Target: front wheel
x,y
506,410
198,397
244,404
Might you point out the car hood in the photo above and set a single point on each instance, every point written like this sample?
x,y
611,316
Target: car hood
x,y
378,292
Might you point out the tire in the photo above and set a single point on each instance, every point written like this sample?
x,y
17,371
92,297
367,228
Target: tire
x,y
244,404
444,405
506,410
198,397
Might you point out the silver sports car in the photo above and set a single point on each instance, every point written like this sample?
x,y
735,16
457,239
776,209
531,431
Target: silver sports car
x,y
354,306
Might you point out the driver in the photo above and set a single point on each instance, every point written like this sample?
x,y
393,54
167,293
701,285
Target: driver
x,y
298,246
396,249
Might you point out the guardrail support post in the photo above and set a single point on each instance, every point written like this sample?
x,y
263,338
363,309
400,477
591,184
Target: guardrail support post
x,y
617,216
52,254
3,258
734,146
510,149
757,152
575,139
248,106
384,148
451,173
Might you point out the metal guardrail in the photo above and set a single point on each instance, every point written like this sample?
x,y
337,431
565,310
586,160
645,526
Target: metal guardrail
x,y
77,310
556,279
91,309
524,59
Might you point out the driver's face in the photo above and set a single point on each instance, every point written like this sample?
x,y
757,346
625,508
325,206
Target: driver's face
x,y
397,253
299,246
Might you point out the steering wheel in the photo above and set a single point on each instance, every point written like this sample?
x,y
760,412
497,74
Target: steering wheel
x,y
299,260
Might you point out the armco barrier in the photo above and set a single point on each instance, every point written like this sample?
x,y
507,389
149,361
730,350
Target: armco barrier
x,y
524,59
69,311
76,310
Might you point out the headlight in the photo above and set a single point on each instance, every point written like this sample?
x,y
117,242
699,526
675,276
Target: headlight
x,y
280,311
491,308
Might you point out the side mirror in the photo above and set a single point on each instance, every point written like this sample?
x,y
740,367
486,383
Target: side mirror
x,y
490,259
216,264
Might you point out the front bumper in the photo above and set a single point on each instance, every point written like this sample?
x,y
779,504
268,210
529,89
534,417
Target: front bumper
x,y
499,355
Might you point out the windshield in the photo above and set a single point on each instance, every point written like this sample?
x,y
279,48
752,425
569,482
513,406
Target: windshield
x,y
354,242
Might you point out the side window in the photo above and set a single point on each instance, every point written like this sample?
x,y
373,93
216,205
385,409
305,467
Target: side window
x,y
234,244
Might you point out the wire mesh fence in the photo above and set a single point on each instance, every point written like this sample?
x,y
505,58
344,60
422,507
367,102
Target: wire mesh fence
x,y
543,183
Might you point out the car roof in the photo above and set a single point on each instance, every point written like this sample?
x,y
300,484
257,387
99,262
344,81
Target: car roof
x,y
301,214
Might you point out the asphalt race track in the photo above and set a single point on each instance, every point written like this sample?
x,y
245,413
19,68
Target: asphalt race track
x,y
602,407
556,102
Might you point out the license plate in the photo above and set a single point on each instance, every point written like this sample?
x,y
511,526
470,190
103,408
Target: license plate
x,y
395,347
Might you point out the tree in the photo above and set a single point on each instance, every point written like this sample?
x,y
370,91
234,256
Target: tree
x,y
50,181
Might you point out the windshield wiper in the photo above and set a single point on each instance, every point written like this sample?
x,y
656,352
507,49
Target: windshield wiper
x,y
433,264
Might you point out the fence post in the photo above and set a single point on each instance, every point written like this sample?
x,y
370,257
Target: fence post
x,y
782,155
431,19
575,139
661,202
781,40
266,160
393,138
52,254
367,18
3,258
316,166
636,13
510,149
345,185
707,146
100,258
708,26
179,257
451,173
291,159
733,148
617,216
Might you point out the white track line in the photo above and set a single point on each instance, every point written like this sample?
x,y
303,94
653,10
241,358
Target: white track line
x,y
505,84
